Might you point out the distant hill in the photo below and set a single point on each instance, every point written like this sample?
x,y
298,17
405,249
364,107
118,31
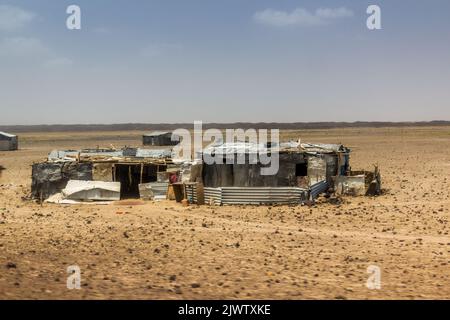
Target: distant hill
x,y
244,125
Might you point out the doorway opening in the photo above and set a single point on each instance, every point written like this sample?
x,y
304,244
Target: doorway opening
x,y
301,169
301,172
131,175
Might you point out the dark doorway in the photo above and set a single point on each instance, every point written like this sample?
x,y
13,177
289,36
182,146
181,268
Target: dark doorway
x,y
301,172
301,169
131,175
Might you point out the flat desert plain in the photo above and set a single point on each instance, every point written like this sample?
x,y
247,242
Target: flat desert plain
x,y
161,250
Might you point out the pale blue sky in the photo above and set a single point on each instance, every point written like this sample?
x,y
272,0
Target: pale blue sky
x,y
223,61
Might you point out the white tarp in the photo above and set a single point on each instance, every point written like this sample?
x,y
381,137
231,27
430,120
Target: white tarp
x,y
59,199
92,190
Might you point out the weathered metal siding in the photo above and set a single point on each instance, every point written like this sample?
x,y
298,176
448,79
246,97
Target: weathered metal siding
x,y
318,188
51,178
8,143
263,195
5,145
331,161
213,196
317,168
160,140
250,195
14,143
159,188
350,185
102,172
249,175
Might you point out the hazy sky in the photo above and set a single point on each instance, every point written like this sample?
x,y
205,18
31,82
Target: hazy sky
x,y
223,61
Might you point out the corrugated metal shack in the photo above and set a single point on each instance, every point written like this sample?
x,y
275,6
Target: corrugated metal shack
x,y
160,138
300,165
8,142
304,172
129,166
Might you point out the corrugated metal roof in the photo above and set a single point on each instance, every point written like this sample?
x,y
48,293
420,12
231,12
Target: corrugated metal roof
x,y
323,147
292,146
236,147
140,153
69,154
9,135
153,153
156,133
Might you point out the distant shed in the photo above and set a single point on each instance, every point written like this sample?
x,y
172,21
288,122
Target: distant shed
x,y
8,142
160,138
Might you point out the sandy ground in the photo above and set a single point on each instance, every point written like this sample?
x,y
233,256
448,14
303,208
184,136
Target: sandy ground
x,y
161,250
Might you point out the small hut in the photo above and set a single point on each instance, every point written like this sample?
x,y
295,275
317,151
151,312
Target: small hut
x,y
8,142
131,167
160,138
300,165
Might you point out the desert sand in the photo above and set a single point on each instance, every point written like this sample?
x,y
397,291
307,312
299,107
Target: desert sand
x,y
161,250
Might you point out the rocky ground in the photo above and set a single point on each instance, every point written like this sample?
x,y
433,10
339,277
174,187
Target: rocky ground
x,y
161,250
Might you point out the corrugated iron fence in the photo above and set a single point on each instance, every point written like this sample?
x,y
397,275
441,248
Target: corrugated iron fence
x,y
317,188
254,195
